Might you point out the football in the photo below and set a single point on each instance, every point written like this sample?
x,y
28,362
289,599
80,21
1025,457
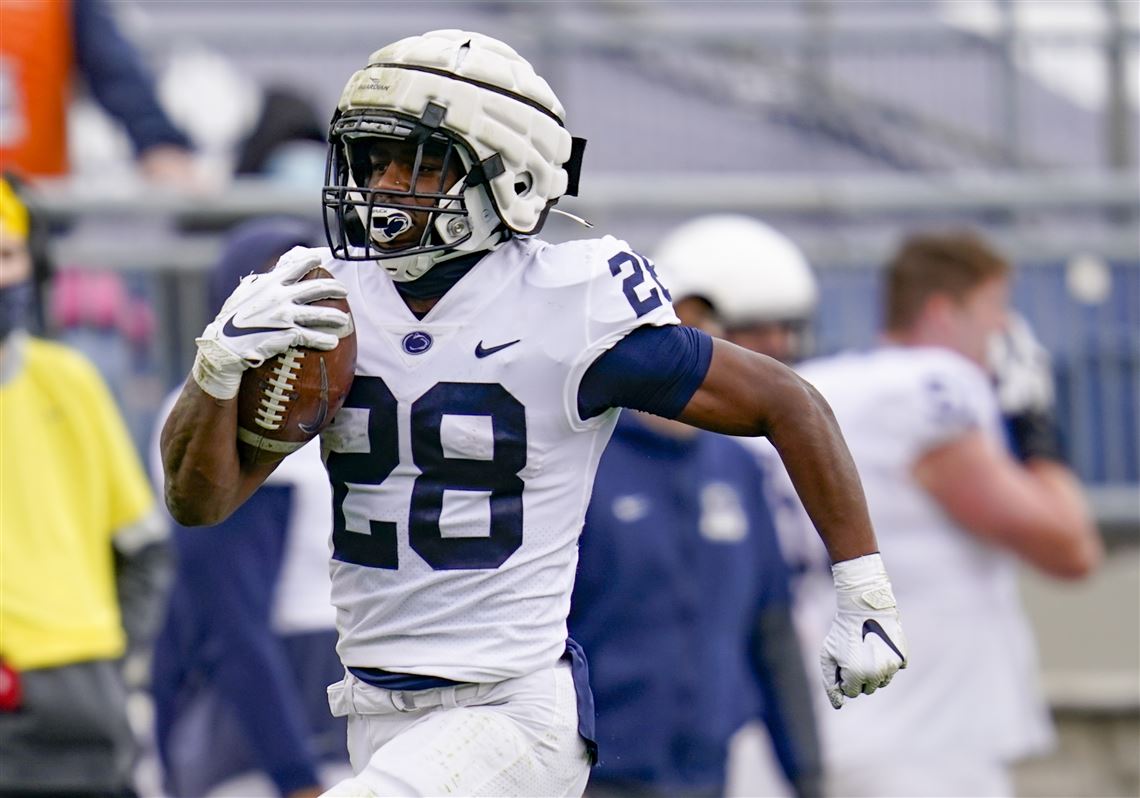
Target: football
x,y
287,400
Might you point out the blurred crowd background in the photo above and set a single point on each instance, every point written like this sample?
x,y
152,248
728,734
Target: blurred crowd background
x,y
843,124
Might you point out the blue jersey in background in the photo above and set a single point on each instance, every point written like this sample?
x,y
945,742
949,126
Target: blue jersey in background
x,y
679,578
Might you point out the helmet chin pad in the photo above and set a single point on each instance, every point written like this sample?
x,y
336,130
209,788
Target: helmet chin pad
x,y
478,225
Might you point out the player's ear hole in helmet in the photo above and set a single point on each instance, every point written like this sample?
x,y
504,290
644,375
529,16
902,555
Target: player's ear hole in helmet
x,y
479,153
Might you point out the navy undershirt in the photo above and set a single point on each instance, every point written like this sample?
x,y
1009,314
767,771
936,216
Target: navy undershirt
x,y
439,279
655,369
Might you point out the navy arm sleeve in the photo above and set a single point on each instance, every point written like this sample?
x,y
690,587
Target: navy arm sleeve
x,y
118,78
655,369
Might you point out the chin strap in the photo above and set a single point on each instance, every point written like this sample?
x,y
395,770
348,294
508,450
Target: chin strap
x,y
424,263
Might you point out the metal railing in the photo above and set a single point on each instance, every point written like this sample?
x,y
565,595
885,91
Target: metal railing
x,y
908,198
846,225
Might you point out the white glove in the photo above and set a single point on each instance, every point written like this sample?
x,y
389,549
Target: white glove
x,y
865,646
265,315
1022,368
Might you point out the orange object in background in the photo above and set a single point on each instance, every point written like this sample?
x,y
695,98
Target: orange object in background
x,y
36,63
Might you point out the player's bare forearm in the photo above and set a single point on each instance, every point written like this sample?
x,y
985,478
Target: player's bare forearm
x,y
749,394
206,479
1076,541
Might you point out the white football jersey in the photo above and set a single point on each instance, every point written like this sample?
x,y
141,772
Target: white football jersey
x,y
460,467
971,683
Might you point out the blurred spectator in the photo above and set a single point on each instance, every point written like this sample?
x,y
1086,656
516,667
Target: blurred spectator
x,y
48,45
83,553
954,512
682,603
47,50
288,141
95,312
763,290
36,243
249,643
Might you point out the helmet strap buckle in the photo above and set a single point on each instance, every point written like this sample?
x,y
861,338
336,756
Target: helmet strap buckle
x,y
485,171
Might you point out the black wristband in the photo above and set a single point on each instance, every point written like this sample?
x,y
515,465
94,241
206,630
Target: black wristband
x,y
1035,434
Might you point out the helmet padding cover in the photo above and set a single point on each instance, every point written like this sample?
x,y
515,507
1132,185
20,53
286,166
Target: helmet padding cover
x,y
494,103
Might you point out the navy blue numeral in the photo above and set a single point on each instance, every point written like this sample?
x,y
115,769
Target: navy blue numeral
x,y
946,407
498,476
378,549
634,279
653,273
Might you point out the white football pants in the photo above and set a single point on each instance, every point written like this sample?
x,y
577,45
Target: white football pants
x,y
518,737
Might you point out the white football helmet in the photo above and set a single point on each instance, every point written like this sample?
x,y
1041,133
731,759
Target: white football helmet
x,y
454,95
749,272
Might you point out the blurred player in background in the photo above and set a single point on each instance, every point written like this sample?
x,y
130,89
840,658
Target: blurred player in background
x,y
765,293
84,555
955,511
48,45
490,371
249,641
288,142
682,604
758,281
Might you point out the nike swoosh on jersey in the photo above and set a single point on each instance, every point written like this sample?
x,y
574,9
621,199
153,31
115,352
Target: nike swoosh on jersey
x,y
873,627
233,331
322,408
481,352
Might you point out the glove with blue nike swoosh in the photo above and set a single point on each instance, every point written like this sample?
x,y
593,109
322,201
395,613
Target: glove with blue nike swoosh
x,y
265,315
866,646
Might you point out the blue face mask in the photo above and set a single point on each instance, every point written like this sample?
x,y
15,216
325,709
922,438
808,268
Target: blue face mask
x,y
15,307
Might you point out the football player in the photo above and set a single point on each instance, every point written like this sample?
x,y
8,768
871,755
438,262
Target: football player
x,y
756,278
491,369
955,510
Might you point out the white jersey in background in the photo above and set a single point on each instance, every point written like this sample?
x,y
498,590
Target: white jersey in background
x,y
461,470
971,683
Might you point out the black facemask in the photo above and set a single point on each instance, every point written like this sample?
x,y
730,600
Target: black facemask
x,y
15,307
